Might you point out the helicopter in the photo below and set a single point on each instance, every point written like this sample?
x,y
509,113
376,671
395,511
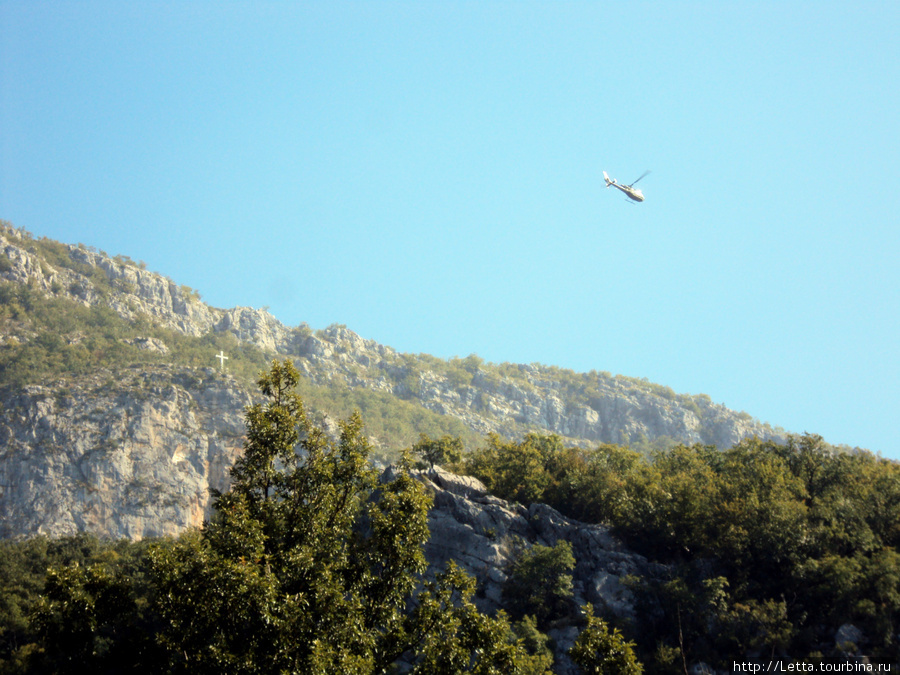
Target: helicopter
x,y
631,191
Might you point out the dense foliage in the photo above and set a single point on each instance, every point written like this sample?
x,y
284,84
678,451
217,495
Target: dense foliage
x,y
309,565
28,590
769,549
599,650
312,565
540,583
434,451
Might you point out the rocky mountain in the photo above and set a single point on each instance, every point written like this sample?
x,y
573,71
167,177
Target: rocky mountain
x,y
109,424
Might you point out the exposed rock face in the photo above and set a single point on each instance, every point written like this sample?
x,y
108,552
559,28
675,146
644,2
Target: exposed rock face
x,y
126,454
582,408
92,278
134,452
485,535
511,401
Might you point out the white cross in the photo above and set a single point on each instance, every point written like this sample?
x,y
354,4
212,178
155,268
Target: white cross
x,y
222,358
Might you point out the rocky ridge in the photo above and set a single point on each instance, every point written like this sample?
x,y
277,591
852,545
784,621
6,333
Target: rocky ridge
x,y
507,399
133,450
484,534
89,277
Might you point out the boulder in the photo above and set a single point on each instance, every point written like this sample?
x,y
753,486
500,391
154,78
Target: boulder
x,y
485,535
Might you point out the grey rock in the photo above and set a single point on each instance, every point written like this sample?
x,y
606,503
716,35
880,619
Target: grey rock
x,y
485,535
848,634
528,398
149,344
129,454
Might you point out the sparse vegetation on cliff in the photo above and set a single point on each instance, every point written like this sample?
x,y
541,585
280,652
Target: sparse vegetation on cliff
x,y
67,309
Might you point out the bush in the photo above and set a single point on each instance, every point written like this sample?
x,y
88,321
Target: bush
x,y
540,583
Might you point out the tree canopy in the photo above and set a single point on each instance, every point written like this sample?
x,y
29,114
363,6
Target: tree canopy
x,y
310,564
767,548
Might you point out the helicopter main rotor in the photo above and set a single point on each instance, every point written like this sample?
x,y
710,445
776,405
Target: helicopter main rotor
x,y
641,176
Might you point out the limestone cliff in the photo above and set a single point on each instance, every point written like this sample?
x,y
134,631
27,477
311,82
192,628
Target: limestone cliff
x,y
508,399
89,277
131,448
131,453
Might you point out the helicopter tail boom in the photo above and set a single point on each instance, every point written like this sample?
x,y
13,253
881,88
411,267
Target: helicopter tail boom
x,y
609,181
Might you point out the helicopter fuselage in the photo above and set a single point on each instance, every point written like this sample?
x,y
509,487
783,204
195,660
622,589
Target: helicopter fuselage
x,y
633,193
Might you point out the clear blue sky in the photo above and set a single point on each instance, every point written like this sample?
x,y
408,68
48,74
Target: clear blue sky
x,y
429,173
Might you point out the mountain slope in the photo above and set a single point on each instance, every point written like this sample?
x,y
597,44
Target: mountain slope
x,y
507,399
114,419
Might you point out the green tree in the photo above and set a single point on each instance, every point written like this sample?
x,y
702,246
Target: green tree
x,y
456,638
668,508
755,627
593,485
603,651
535,642
514,471
310,564
88,611
79,603
443,450
540,582
676,614
93,618
756,522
